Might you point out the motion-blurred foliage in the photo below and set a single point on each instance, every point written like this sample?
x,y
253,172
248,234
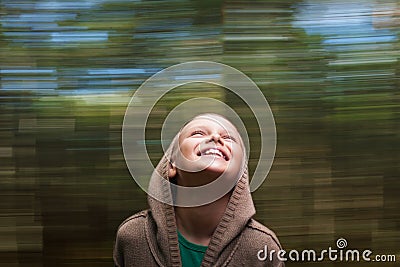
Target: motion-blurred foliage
x,y
329,69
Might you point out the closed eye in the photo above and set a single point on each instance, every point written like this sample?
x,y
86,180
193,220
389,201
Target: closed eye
x,y
197,132
229,137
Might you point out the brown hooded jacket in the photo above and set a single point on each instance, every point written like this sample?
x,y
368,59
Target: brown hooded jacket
x,y
149,238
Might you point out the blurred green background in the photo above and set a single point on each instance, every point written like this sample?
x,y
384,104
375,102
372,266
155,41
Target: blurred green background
x,y
329,69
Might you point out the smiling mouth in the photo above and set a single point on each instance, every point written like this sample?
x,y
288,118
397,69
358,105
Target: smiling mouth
x,y
213,152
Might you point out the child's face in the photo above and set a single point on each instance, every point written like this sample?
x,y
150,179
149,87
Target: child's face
x,y
210,144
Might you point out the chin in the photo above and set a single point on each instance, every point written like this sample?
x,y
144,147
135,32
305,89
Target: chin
x,y
217,169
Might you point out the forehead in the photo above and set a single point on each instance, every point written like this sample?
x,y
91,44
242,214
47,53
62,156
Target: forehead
x,y
212,122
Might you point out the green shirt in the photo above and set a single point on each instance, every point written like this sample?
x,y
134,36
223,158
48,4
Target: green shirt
x,y
191,254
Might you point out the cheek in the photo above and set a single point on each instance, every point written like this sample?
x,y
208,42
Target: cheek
x,y
237,152
187,148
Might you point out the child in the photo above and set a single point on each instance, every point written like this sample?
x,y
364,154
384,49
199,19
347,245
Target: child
x,y
219,232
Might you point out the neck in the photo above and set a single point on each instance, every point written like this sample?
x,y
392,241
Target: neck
x,y
197,224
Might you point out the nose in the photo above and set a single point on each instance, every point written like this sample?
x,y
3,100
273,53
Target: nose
x,y
216,138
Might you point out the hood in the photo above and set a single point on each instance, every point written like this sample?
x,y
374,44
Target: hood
x,y
162,234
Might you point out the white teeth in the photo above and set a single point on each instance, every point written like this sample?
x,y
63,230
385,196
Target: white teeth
x,y
213,151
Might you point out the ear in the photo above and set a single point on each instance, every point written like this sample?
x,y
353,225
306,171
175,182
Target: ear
x,y
171,170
